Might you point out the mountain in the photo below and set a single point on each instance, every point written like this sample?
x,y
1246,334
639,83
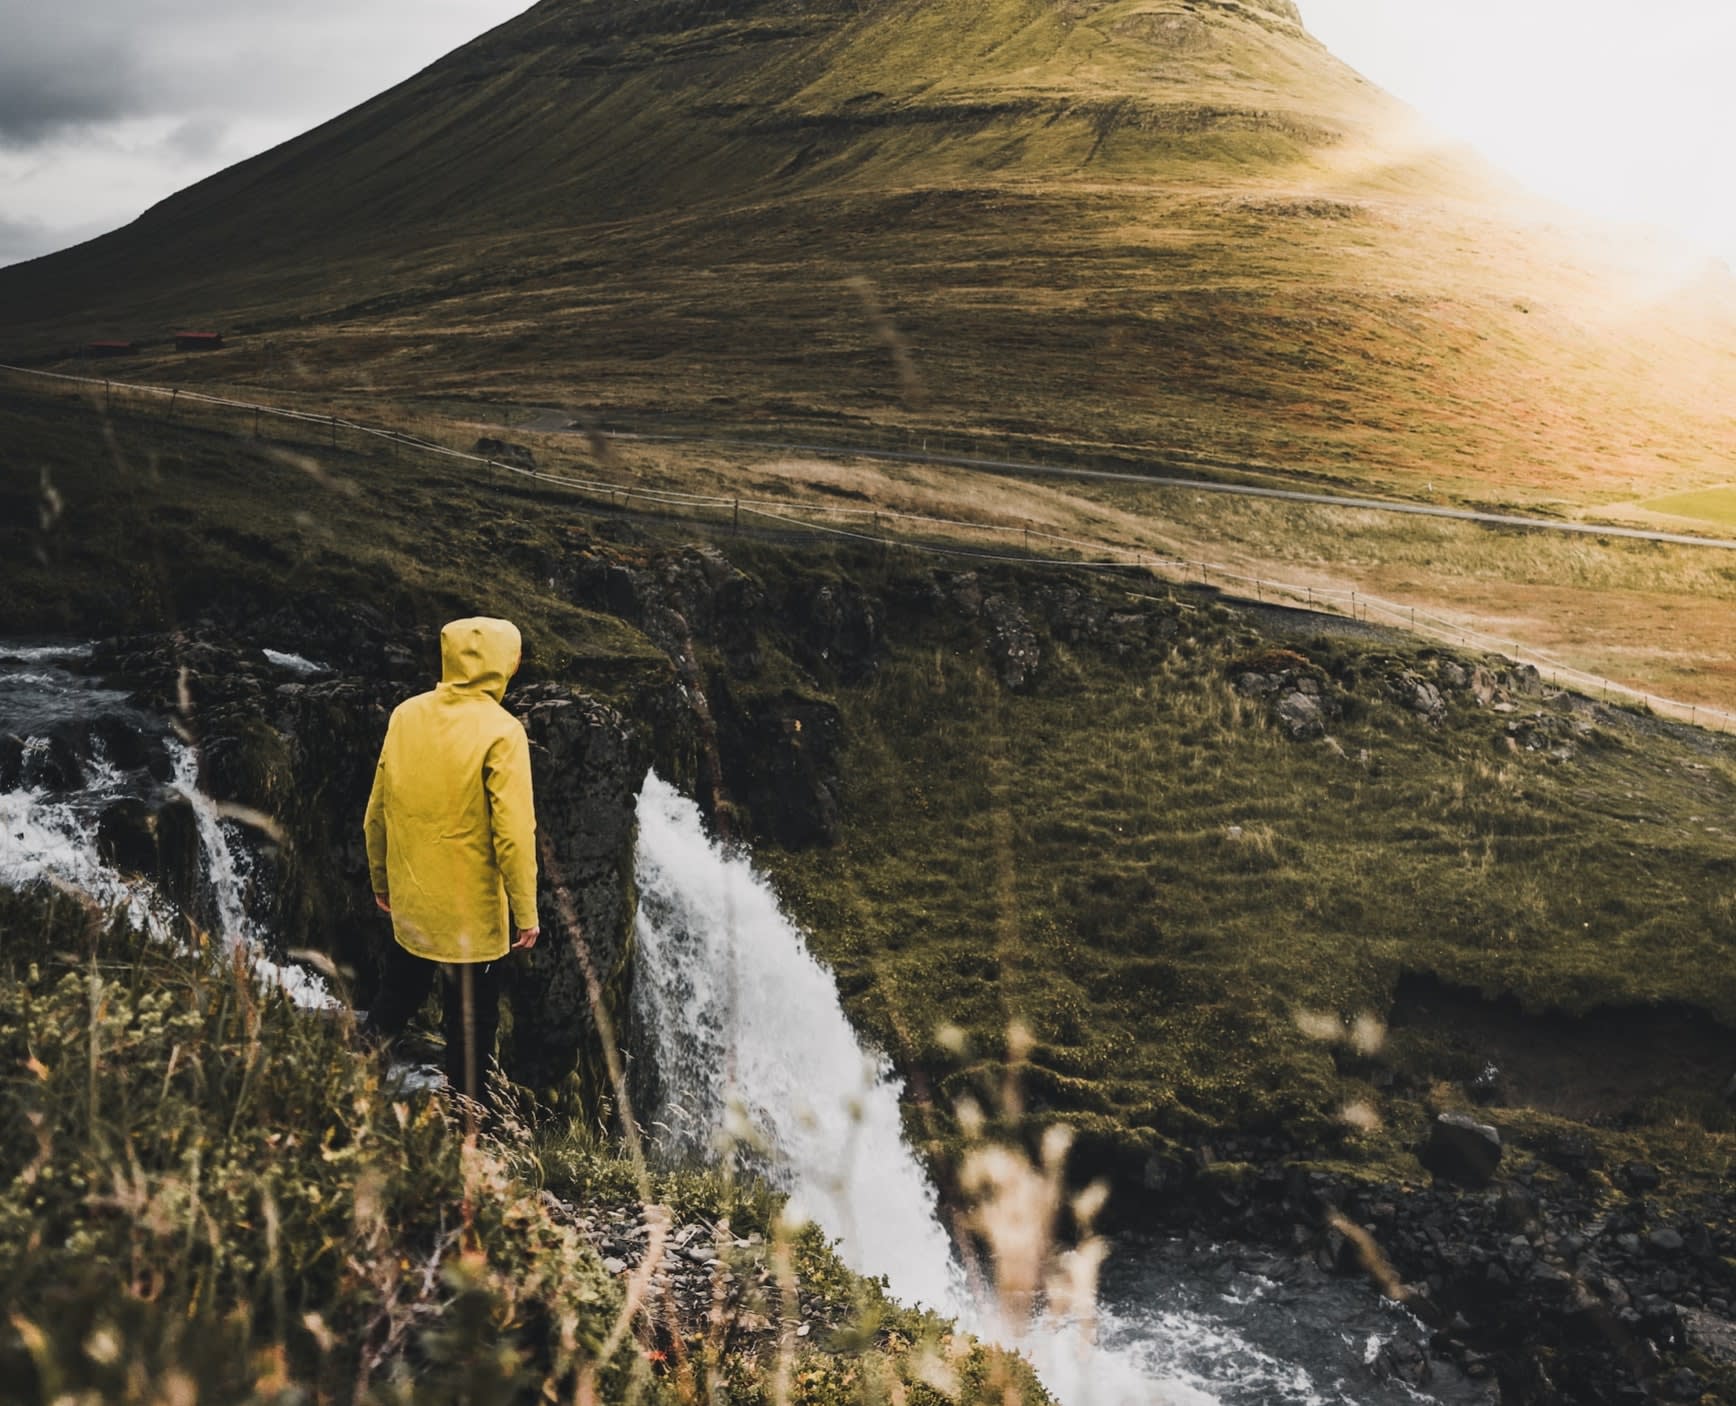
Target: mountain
x,y
1154,223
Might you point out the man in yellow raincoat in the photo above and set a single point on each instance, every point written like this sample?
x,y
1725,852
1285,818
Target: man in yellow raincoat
x,y
451,832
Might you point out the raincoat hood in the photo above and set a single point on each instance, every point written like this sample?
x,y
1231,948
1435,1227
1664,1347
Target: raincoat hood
x,y
479,655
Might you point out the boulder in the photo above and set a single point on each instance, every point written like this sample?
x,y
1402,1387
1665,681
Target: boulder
x,y
52,764
1461,1149
1301,716
1419,695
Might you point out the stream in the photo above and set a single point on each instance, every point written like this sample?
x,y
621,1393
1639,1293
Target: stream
x,y
755,1059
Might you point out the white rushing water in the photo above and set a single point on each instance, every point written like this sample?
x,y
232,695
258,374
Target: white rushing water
x,y
53,842
751,1043
51,838
295,663
228,873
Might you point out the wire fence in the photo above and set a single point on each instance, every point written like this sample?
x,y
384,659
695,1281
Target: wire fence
x,y
893,528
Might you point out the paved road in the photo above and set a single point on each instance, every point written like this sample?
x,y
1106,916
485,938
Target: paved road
x,y
1288,495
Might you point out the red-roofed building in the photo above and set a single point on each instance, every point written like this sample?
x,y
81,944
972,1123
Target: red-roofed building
x,y
198,341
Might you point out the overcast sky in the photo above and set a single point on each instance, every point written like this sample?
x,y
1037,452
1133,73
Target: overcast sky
x,y
107,106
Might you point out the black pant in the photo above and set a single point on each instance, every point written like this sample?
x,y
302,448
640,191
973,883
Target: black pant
x,y
470,1011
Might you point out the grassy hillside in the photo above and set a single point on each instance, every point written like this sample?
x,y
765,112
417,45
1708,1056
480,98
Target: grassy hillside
x,y
1148,223
1126,852
1135,861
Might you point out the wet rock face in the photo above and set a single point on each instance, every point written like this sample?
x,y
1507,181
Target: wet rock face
x,y
154,837
587,768
303,751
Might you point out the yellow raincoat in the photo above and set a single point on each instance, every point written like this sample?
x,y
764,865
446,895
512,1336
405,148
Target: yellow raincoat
x,y
451,827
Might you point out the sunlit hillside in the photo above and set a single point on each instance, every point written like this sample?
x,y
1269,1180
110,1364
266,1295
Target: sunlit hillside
x,y
1155,223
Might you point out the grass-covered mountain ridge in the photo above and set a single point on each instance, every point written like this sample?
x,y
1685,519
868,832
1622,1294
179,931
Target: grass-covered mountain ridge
x,y
1163,224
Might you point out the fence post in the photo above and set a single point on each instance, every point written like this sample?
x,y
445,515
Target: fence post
x,y
334,420
736,524
256,422
173,396
108,393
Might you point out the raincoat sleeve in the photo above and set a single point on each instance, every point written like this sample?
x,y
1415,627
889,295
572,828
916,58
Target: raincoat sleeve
x,y
374,828
512,816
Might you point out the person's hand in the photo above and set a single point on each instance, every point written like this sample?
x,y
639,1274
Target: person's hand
x,y
383,903
526,939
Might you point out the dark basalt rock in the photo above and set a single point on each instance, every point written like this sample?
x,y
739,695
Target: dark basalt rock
x,y
587,768
304,752
52,764
1462,1149
839,628
155,839
11,762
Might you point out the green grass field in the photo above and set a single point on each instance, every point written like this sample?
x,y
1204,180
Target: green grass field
x,y
1714,505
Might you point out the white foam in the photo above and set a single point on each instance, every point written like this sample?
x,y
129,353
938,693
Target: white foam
x,y
45,841
44,653
229,874
295,663
53,841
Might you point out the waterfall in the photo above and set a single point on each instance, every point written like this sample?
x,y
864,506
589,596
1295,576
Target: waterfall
x,y
752,1044
50,837
749,1038
228,875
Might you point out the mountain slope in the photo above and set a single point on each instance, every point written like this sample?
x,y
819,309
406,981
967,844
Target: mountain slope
x,y
1167,223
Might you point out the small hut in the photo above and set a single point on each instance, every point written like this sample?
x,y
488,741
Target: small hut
x,y
108,348
198,341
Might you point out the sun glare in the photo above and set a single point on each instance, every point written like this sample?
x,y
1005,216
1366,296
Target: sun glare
x,y
1624,112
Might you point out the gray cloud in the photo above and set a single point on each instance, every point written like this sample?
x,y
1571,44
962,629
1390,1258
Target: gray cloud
x,y
198,138
26,239
70,65
56,80
107,106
